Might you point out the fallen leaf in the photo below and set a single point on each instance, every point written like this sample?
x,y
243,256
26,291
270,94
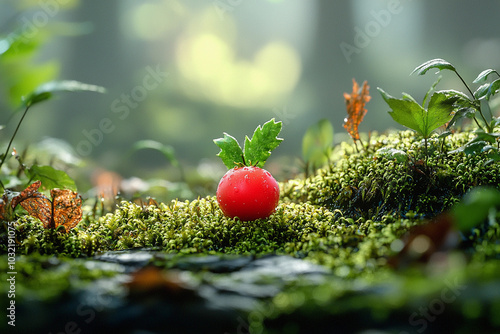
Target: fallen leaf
x,y
65,208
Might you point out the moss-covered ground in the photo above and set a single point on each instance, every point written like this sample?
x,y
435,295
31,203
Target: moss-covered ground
x,y
347,217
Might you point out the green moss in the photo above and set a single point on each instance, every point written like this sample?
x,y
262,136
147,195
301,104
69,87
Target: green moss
x,y
345,217
371,185
48,276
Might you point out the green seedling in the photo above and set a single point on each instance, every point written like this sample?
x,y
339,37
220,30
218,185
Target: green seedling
x,y
42,93
424,121
468,106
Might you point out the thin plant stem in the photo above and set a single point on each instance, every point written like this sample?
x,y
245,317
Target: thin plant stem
x,y
12,139
479,109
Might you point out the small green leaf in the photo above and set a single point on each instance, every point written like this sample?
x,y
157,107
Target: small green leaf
x,y
483,75
494,87
167,150
471,148
438,63
230,152
461,113
404,111
460,98
316,142
482,91
445,134
44,91
51,178
489,137
410,114
264,140
256,150
475,207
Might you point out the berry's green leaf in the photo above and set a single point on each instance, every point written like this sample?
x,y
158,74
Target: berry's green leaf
x,y
44,91
316,142
51,178
437,63
264,140
230,152
483,75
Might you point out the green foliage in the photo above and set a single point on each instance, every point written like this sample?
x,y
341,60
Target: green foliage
x,y
256,150
467,106
50,177
392,178
43,93
408,112
317,142
486,90
439,64
46,90
483,142
476,206
450,106
231,152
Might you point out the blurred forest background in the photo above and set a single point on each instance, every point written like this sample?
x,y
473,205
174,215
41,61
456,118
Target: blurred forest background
x,y
182,72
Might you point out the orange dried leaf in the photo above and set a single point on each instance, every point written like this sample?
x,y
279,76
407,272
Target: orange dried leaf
x,y
3,213
39,206
355,105
65,208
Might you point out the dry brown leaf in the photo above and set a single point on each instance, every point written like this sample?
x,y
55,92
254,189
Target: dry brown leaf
x,y
355,105
65,208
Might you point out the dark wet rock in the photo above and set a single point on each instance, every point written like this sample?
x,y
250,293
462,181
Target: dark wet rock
x,y
130,259
153,292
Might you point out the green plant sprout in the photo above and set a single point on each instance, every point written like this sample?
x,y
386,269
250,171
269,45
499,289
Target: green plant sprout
x,y
446,107
468,105
409,113
42,93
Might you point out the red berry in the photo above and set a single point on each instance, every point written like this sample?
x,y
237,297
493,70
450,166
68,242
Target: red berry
x,y
248,193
